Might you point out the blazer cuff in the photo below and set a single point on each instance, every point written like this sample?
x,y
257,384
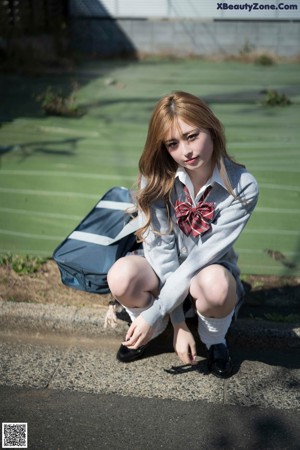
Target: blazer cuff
x,y
154,313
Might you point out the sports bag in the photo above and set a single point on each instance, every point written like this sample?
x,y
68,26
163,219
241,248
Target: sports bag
x,y
103,236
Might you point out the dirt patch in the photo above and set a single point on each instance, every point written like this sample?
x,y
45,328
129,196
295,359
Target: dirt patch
x,y
264,294
45,287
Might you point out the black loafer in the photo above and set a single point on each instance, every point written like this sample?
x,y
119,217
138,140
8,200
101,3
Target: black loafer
x,y
126,354
219,361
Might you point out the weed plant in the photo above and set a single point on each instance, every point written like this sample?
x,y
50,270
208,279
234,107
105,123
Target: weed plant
x,y
24,264
54,103
274,98
264,60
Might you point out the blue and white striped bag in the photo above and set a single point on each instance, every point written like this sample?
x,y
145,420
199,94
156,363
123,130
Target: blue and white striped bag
x,y
103,236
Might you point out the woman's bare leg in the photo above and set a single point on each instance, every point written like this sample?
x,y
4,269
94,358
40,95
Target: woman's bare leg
x,y
133,282
214,290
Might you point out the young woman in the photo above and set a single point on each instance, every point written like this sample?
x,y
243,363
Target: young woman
x,y
193,202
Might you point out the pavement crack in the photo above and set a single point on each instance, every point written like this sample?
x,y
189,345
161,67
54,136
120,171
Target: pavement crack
x,y
65,354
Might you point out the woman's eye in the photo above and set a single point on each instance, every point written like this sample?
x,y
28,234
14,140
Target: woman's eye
x,y
192,137
172,144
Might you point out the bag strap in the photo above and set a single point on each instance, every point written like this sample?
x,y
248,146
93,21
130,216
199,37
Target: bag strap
x,y
130,228
110,204
93,238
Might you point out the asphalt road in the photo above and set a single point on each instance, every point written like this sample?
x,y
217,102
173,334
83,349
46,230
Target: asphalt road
x,y
62,420
73,394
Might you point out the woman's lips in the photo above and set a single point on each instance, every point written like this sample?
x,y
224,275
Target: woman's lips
x,y
192,160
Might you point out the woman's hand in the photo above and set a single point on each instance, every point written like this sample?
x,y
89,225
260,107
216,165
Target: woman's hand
x,y
139,333
184,344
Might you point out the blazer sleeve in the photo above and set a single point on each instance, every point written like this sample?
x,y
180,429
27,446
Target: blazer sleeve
x,y
214,244
160,249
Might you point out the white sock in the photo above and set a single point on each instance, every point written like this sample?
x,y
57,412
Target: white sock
x,y
135,312
213,331
160,326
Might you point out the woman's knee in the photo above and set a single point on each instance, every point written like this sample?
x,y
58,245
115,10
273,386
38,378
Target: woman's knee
x,y
132,278
121,277
214,285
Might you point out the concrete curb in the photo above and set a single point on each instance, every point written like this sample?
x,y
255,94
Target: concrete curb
x,y
63,320
33,318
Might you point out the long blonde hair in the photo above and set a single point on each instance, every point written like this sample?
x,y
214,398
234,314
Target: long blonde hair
x,y
156,164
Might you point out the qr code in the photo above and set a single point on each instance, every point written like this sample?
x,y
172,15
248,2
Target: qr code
x,y
14,435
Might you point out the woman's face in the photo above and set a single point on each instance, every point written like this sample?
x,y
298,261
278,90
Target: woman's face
x,y
190,147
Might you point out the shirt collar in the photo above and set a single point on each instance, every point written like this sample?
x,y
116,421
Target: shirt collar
x,y
183,176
